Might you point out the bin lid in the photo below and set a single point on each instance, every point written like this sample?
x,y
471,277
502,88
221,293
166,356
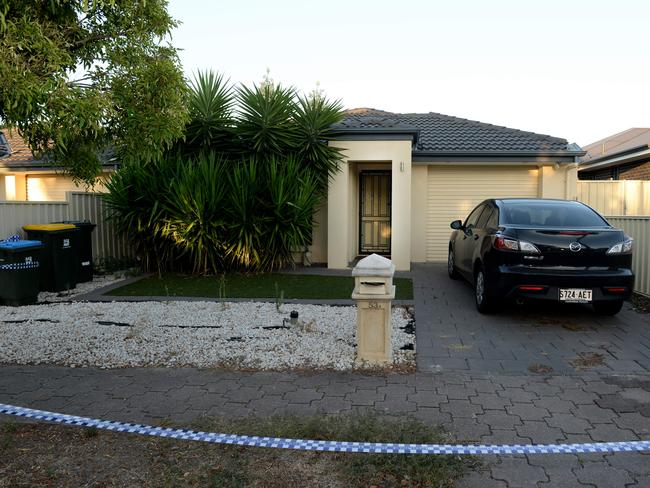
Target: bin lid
x,y
48,227
78,223
19,244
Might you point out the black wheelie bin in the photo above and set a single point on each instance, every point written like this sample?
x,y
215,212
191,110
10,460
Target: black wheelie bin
x,y
19,271
58,258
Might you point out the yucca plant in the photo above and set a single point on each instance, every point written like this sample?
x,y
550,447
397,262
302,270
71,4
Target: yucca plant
x,y
211,105
245,217
193,216
291,198
134,207
241,189
314,118
265,120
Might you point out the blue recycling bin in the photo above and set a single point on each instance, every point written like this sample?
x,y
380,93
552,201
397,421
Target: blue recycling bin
x,y
19,272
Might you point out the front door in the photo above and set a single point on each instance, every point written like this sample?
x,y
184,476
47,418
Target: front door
x,y
374,206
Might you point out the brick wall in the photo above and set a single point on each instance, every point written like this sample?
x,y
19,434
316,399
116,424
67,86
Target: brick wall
x,y
631,171
636,172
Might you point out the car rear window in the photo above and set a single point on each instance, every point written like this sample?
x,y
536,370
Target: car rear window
x,y
551,215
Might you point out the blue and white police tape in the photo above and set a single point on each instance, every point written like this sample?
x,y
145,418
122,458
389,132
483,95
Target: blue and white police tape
x,y
324,446
16,266
12,238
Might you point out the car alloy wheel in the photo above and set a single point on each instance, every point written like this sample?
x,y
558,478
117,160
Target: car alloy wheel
x,y
451,265
484,301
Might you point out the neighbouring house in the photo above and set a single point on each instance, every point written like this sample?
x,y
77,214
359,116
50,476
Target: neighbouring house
x,y
405,177
623,156
27,178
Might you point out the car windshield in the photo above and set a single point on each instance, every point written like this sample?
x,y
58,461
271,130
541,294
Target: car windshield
x,y
547,214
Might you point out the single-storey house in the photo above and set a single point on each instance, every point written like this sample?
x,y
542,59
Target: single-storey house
x,y
27,178
623,156
405,177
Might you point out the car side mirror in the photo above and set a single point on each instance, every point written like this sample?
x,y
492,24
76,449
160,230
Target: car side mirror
x,y
456,225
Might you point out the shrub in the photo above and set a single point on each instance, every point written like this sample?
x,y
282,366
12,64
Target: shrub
x,y
240,190
207,214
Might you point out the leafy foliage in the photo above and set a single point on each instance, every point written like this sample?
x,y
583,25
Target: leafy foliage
x,y
206,214
239,191
78,75
262,122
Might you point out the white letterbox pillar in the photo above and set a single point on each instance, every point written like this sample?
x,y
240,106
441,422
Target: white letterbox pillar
x,y
373,294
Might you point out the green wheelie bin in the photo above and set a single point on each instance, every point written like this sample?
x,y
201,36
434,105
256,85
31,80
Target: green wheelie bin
x,y
58,258
19,271
84,246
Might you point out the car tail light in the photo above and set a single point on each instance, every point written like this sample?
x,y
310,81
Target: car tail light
x,y
515,245
615,289
622,247
531,288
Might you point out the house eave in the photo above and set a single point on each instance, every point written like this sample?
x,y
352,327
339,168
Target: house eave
x,y
511,157
376,134
622,157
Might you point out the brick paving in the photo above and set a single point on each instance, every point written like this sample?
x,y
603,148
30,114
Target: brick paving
x,y
477,408
489,396
452,335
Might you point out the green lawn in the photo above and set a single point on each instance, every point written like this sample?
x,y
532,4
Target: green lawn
x,y
254,286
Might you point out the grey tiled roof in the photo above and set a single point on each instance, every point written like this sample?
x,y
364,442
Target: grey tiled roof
x,y
438,133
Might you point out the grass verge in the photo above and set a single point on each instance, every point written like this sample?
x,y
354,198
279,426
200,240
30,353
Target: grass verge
x,y
52,455
312,287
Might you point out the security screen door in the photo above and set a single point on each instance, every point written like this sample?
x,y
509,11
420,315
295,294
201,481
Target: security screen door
x,y
374,209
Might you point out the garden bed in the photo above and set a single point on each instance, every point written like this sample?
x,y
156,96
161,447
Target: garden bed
x,y
247,335
268,285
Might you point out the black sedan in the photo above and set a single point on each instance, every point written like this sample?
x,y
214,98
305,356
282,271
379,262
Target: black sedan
x,y
541,249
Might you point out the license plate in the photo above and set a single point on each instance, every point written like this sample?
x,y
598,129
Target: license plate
x,y
575,295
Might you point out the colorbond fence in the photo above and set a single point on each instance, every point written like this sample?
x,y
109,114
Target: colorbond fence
x,y
77,206
639,229
620,197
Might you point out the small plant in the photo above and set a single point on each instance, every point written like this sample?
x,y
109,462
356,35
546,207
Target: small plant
x,y
279,297
89,432
221,292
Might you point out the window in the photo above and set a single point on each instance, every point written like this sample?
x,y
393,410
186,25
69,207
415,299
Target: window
x,y
485,216
493,221
552,214
474,216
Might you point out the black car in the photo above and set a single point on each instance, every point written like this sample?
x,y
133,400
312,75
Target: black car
x,y
542,249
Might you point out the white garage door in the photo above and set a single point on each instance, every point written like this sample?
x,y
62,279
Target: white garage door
x,y
453,191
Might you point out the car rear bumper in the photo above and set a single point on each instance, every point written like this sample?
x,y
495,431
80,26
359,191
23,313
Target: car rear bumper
x,y
606,284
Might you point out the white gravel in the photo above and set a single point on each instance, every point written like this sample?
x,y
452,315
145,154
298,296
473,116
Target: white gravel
x,y
176,333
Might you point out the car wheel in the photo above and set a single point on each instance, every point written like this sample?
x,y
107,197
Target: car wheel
x,y
608,308
484,302
451,265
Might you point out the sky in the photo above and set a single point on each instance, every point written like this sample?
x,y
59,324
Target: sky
x,y
573,69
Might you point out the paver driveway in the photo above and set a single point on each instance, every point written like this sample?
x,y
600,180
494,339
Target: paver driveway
x,y
452,335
